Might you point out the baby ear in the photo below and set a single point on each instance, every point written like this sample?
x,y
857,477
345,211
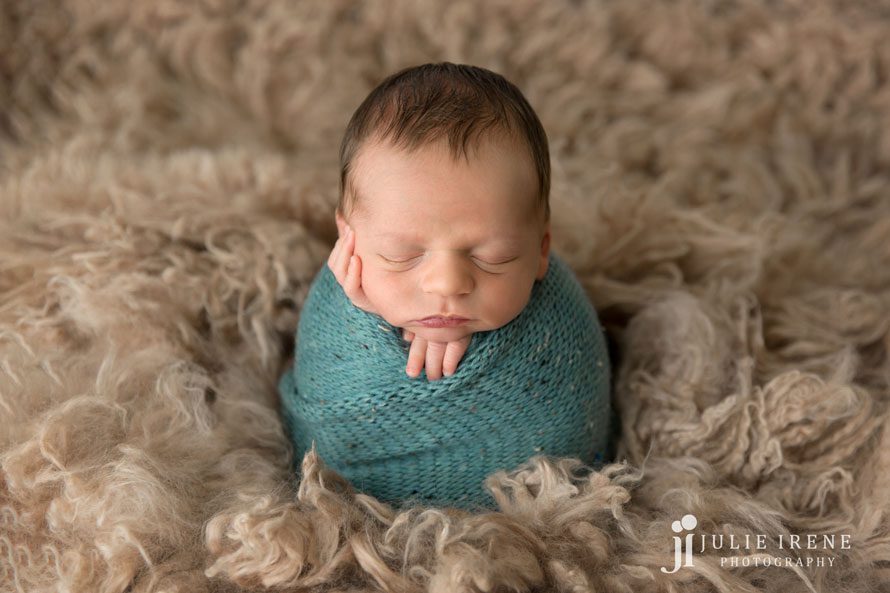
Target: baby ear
x,y
545,253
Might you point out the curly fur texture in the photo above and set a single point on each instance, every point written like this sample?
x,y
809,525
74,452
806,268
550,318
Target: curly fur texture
x,y
721,186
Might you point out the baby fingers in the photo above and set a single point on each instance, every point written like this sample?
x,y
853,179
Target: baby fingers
x,y
435,354
352,281
454,351
416,357
347,269
341,255
439,358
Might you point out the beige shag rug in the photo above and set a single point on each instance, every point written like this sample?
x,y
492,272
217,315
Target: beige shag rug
x,y
721,187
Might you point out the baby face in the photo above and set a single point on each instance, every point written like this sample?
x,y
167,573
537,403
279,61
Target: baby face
x,y
444,237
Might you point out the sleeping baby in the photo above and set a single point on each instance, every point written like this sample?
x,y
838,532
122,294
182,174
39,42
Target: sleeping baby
x,y
443,268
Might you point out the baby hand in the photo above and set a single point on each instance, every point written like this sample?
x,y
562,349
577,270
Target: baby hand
x,y
437,356
347,269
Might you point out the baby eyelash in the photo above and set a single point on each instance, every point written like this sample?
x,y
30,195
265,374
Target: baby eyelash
x,y
488,263
399,261
496,263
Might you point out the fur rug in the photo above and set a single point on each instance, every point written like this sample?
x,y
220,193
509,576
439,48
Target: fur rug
x,y
169,172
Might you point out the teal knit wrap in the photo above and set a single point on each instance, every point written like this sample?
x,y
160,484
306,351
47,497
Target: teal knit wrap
x,y
538,385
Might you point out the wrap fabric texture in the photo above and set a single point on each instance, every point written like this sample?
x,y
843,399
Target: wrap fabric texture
x,y
539,385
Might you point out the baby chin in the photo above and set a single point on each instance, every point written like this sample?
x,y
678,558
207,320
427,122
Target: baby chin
x,y
445,334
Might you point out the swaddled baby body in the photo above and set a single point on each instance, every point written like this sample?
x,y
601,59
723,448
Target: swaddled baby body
x,y
444,255
539,384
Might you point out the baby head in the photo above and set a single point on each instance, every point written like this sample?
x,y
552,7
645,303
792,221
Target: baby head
x,y
445,181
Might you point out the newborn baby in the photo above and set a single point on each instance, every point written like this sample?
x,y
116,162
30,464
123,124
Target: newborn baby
x,y
442,248
444,239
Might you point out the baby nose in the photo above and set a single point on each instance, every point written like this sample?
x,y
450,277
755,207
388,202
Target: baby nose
x,y
448,275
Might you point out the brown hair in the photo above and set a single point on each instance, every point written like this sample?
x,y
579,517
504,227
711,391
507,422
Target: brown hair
x,y
422,104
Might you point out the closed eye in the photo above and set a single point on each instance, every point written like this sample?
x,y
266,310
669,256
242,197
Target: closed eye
x,y
495,262
399,261
487,262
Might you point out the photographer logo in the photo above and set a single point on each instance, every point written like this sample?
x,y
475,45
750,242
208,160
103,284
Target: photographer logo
x,y
684,540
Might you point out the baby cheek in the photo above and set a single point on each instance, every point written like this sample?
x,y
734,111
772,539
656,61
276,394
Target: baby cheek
x,y
506,301
371,284
383,291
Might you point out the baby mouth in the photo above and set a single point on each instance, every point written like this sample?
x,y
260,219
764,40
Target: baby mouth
x,y
440,321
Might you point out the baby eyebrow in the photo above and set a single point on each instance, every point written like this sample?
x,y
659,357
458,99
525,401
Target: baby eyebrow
x,y
415,242
398,235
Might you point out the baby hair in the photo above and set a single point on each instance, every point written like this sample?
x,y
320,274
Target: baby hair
x,y
423,104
